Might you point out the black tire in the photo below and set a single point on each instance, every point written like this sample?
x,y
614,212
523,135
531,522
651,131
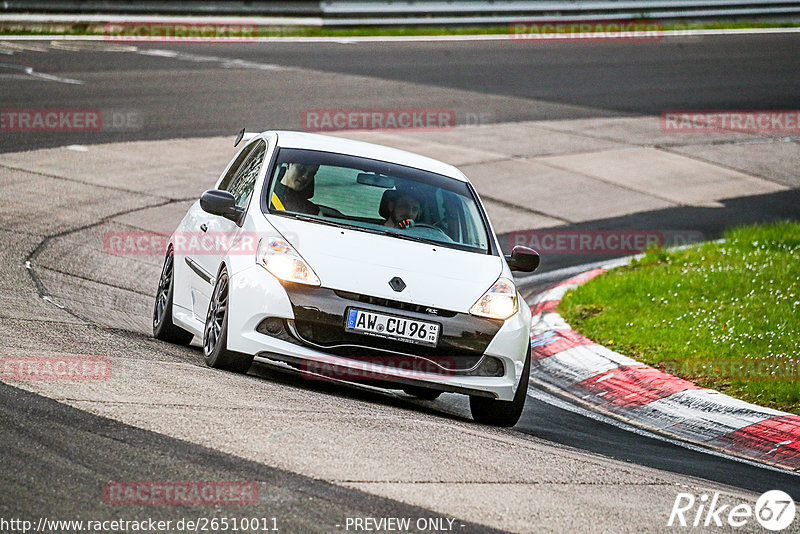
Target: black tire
x,y
502,413
422,393
215,333
163,327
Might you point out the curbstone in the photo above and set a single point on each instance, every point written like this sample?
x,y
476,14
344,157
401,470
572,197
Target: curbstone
x,y
565,361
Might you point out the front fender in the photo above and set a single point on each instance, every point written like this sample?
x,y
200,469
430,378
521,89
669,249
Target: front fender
x,y
254,294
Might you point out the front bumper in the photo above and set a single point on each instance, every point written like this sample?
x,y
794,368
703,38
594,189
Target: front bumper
x,y
315,339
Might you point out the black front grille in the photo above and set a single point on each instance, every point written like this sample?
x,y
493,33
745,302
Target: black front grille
x,y
320,319
363,347
395,304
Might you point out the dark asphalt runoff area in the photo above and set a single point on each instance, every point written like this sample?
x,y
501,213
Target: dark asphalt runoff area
x,y
78,453
217,88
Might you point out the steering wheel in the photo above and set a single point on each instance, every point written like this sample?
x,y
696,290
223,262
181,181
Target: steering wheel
x,y
423,225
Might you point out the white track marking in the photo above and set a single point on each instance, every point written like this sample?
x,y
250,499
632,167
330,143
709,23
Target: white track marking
x,y
231,63
40,75
26,47
53,78
88,46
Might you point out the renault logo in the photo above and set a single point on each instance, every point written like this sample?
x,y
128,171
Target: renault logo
x,y
397,284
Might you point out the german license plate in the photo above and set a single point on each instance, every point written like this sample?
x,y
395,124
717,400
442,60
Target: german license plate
x,y
392,327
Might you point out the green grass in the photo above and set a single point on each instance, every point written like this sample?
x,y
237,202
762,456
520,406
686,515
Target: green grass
x,y
20,28
264,31
724,315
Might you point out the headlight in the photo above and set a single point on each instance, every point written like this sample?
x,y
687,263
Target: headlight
x,y
282,260
500,302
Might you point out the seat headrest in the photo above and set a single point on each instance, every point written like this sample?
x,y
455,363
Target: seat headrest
x,y
388,196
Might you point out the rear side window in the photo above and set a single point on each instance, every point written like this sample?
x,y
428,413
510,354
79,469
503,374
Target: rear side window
x,y
224,185
243,180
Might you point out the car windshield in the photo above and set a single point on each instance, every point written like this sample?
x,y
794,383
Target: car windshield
x,y
377,196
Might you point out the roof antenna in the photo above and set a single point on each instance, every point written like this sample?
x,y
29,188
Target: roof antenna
x,y
239,137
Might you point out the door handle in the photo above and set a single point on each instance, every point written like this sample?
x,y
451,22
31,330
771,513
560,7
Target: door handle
x,y
204,227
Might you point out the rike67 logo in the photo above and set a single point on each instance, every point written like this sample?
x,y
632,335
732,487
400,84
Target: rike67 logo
x,y
774,510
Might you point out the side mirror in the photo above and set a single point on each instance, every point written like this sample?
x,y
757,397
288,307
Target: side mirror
x,y
220,203
523,259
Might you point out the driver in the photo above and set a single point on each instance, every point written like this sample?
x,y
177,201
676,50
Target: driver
x,y
292,191
404,209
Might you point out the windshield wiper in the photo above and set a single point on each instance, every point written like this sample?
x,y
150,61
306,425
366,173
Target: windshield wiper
x,y
412,238
328,222
336,224
309,218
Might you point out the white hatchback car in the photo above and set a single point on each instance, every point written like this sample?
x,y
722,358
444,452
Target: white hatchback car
x,y
354,261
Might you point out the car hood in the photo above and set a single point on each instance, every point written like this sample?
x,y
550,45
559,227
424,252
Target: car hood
x,y
361,262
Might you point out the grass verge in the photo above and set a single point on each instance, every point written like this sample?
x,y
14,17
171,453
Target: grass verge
x,y
723,315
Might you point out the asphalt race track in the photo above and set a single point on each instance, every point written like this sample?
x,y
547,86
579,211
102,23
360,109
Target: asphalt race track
x,y
201,90
322,451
